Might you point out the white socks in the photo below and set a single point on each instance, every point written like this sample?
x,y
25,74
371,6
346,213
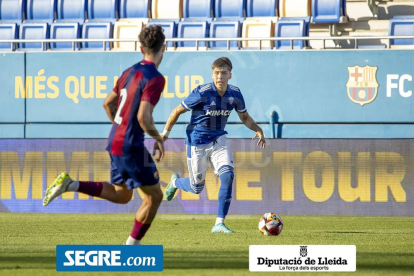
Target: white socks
x,y
132,241
219,220
73,186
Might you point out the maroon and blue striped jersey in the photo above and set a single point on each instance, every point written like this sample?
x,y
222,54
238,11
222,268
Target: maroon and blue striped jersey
x,y
141,82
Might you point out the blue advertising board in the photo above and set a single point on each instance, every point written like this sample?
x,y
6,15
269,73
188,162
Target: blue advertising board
x,y
316,94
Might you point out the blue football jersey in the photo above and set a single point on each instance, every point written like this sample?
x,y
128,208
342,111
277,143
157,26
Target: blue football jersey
x,y
210,112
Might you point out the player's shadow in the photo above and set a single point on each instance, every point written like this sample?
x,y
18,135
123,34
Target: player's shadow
x,y
206,260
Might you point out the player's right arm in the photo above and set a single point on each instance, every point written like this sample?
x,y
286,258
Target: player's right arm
x,y
188,104
110,105
146,122
150,97
175,114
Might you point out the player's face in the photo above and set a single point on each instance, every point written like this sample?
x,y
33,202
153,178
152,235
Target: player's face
x,y
221,78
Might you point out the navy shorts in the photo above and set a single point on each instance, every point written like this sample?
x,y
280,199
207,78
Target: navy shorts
x,y
135,170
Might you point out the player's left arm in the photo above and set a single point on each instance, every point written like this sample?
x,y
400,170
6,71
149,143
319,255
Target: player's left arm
x,y
111,105
251,124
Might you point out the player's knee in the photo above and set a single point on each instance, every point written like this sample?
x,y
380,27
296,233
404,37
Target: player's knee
x,y
226,176
198,188
125,198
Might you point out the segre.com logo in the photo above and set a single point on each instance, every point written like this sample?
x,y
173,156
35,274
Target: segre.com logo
x,y
109,258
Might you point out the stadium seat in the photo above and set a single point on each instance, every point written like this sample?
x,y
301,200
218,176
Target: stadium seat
x,y
11,11
96,31
167,9
259,8
64,31
306,19
290,29
40,11
257,28
403,17
71,11
170,31
134,9
327,11
401,27
230,9
33,31
102,10
8,31
226,29
192,30
294,8
127,30
193,9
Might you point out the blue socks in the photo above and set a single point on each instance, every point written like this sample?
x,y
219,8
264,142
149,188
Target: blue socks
x,y
224,196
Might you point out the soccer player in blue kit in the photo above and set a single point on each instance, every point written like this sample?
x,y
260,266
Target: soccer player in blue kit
x,y
129,107
211,105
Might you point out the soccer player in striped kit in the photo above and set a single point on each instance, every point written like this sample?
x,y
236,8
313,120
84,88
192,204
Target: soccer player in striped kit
x,y
211,105
129,107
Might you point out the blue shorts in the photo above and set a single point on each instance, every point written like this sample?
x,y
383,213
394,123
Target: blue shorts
x,y
135,170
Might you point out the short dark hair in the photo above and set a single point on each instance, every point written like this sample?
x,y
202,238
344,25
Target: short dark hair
x,y
152,38
222,62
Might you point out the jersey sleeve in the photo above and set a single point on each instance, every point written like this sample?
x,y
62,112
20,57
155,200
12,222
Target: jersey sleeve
x,y
240,104
120,82
192,100
153,89
116,88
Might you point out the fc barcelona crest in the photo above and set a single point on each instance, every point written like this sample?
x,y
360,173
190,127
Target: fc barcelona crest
x,y
362,85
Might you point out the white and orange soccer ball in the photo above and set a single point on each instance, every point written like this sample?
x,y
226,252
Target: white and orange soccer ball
x,y
271,224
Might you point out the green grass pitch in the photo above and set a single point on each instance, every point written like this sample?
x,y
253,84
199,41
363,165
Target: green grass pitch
x,y
385,245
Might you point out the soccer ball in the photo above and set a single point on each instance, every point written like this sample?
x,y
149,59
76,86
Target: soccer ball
x,y
270,224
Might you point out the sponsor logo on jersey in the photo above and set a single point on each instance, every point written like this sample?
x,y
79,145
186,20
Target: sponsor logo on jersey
x,y
213,103
218,112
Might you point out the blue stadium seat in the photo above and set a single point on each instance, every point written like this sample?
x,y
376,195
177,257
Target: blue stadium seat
x,y
198,8
8,31
226,29
401,27
11,11
230,9
258,8
96,31
307,21
40,11
71,11
290,29
170,29
327,11
102,10
64,31
404,17
134,8
192,30
33,31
